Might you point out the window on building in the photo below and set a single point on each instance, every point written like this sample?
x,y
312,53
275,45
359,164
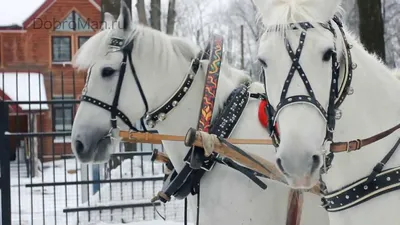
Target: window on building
x,y
82,40
62,116
73,22
61,49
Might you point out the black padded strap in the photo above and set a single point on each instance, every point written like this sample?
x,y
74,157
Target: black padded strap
x,y
362,190
379,167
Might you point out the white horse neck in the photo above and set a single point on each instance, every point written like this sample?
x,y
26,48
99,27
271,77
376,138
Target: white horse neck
x,y
250,202
186,114
373,108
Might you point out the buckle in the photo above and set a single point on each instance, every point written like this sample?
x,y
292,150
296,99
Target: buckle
x,y
325,150
348,147
325,203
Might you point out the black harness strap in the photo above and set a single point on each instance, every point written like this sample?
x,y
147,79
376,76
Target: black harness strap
x,y
117,43
187,181
296,66
378,182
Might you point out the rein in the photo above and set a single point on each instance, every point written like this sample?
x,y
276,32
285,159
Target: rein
x,y
355,145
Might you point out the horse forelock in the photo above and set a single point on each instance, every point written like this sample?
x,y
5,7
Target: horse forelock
x,y
152,46
278,14
94,49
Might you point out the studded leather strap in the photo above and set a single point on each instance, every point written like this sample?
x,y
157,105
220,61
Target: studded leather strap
x,y
160,113
311,99
361,190
108,107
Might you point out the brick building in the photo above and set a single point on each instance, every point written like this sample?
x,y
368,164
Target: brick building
x,y
35,65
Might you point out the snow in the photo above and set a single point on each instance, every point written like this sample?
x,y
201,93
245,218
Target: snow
x,y
142,192
21,86
45,205
154,222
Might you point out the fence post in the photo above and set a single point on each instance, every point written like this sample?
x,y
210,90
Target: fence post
x,y
5,166
96,177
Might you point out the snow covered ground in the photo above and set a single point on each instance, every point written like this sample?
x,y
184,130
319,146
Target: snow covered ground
x,y
45,205
154,222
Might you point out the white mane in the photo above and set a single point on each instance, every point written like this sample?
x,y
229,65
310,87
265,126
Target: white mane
x,y
157,47
280,13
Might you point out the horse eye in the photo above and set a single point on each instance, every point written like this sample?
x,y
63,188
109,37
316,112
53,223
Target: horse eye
x,y
327,55
107,71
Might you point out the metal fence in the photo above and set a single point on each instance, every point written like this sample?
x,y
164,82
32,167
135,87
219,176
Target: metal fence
x,y
41,181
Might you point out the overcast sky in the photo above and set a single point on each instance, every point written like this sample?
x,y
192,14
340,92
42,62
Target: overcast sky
x,y
17,11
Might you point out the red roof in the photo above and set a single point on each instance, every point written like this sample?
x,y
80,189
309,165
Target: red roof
x,y
14,108
46,5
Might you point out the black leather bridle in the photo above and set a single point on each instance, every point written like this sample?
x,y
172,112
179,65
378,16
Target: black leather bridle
x,y
116,44
148,118
336,96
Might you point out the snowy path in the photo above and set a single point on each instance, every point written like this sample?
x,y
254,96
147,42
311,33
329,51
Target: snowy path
x,y
154,222
45,205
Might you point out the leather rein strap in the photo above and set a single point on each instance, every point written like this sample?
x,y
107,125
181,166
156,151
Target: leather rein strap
x,y
197,157
359,143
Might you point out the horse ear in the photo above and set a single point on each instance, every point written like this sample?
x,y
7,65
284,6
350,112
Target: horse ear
x,y
125,18
108,22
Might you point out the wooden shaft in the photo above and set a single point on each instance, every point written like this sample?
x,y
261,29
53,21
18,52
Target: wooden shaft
x,y
136,137
194,137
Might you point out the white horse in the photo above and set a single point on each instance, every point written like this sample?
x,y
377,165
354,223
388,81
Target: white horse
x,y
371,105
161,62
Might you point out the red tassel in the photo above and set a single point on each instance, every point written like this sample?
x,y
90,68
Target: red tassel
x,y
262,115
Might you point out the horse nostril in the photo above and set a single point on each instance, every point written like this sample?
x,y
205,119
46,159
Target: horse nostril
x,y
316,161
79,147
279,163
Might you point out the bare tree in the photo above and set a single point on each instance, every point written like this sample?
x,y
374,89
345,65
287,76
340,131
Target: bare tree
x,y
171,17
372,26
391,21
155,14
391,17
241,16
141,10
113,6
